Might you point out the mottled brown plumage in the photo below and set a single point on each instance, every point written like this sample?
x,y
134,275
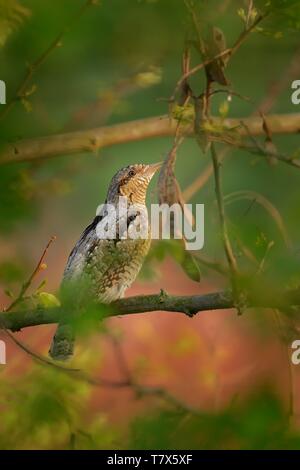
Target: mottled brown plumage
x,y
108,266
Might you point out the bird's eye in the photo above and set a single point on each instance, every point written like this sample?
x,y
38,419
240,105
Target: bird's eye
x,y
131,173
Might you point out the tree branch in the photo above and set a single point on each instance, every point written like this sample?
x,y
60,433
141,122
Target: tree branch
x,y
188,305
160,126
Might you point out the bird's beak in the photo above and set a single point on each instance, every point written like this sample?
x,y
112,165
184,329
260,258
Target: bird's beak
x,y
150,170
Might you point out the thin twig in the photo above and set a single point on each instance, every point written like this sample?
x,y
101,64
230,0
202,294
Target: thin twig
x,y
196,25
281,327
120,357
259,150
198,183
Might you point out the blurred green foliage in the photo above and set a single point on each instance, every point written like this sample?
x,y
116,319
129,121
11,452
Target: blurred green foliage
x,y
13,13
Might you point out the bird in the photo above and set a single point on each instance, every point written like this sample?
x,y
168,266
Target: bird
x,y
107,266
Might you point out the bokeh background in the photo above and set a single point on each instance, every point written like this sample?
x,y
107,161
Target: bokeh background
x,y
118,62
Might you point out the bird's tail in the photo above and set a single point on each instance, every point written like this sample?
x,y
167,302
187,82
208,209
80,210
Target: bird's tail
x,y
62,346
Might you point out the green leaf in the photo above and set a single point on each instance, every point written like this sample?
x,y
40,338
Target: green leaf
x,y
8,293
10,271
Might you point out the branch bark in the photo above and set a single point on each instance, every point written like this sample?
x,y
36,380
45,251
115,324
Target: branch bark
x,y
160,126
188,305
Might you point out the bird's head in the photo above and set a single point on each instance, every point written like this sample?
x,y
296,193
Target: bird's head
x,y
132,182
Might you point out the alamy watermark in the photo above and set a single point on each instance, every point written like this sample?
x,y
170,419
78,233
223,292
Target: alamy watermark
x,y
2,352
2,92
296,94
133,221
